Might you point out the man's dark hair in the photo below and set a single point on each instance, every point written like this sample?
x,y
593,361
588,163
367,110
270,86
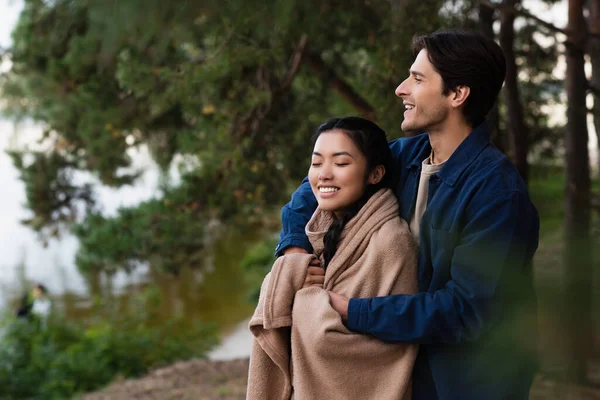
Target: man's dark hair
x,y
470,59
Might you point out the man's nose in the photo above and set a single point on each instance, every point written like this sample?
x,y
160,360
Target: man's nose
x,y
402,89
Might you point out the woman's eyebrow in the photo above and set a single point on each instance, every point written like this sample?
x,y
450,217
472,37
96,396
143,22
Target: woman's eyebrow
x,y
343,153
339,153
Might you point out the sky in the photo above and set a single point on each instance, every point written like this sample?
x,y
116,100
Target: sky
x,y
9,13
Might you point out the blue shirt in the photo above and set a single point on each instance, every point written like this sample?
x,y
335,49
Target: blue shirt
x,y
475,313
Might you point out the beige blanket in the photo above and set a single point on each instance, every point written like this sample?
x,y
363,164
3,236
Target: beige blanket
x,y
302,350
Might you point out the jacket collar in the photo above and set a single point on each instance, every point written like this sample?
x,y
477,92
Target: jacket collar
x,y
462,157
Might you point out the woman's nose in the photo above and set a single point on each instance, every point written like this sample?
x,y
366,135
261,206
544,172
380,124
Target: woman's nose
x,y
325,175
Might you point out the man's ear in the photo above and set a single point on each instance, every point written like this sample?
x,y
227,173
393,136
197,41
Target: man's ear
x,y
376,175
460,95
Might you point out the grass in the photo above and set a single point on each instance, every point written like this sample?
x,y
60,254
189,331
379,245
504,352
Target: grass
x,y
547,190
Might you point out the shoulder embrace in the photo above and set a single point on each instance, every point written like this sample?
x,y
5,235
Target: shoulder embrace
x,y
407,147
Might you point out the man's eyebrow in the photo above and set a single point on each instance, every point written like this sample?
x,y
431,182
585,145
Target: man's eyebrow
x,y
340,153
416,73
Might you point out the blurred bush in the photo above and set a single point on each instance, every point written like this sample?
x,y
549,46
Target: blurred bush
x,y
64,358
257,263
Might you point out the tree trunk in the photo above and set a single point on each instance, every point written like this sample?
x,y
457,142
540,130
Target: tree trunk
x,y
578,254
486,26
519,136
594,52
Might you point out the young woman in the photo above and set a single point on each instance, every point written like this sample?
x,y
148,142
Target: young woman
x,y
302,350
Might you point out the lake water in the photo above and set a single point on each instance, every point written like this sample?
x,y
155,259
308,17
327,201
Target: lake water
x,y
216,291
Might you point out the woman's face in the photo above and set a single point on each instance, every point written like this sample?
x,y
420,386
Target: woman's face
x,y
337,172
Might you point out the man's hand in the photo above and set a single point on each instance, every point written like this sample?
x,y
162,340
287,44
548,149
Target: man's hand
x,y
339,304
315,275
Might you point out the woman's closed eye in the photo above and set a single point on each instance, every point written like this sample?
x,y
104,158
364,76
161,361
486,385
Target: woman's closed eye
x,y
341,164
316,164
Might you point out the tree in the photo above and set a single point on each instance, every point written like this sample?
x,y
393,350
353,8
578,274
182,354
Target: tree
x,y
234,89
518,133
578,252
486,26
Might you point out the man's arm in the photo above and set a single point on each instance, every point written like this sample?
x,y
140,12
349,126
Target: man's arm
x,y
294,217
495,249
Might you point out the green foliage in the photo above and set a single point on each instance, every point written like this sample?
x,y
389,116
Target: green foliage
x,y
214,83
257,263
50,193
155,230
64,359
547,187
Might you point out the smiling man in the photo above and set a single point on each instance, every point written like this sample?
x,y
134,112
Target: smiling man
x,y
477,230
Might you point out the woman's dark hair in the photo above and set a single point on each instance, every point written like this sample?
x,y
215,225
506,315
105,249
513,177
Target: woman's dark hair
x,y
371,140
470,59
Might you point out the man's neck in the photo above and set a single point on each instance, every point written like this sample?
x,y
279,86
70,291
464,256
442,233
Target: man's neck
x,y
445,140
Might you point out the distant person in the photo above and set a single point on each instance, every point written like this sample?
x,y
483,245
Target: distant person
x,y
475,313
36,303
301,349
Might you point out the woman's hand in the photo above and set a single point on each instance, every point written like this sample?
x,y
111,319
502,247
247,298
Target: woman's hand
x,y
315,276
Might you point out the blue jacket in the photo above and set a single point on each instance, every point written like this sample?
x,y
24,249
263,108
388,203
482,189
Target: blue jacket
x,y
475,313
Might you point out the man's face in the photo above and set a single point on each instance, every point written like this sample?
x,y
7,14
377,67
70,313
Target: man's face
x,y
426,107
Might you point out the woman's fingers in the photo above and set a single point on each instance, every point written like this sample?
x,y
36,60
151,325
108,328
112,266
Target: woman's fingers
x,y
315,262
312,279
315,276
316,271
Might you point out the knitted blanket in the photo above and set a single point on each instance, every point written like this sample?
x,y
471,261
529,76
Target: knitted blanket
x,y
301,348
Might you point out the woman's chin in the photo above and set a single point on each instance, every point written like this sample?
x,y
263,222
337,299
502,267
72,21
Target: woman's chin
x,y
327,206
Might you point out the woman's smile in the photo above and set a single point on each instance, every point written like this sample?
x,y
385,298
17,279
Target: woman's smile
x,y
326,192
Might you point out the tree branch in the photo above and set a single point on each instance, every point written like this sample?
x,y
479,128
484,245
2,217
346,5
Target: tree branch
x,y
316,63
521,11
295,61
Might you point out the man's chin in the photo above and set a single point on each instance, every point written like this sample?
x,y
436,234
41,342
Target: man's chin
x,y
412,130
